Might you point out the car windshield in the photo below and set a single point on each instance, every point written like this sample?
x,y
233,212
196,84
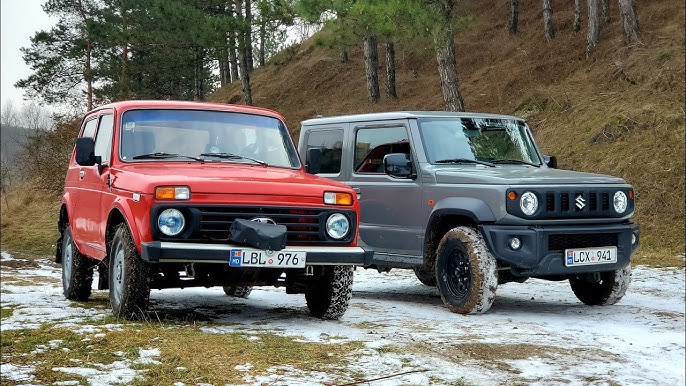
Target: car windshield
x,y
155,135
498,141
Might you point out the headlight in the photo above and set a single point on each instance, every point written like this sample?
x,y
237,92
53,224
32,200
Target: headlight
x,y
171,222
619,201
528,203
337,226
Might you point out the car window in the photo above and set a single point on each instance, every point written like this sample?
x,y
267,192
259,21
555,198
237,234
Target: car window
x,y
103,139
330,142
89,128
372,144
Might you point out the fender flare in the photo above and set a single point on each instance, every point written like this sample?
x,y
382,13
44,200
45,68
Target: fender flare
x,y
475,209
122,206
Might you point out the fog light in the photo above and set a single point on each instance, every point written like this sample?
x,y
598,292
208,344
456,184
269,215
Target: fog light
x,y
515,243
633,238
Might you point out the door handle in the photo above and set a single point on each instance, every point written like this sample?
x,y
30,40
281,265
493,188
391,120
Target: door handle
x,y
357,191
81,173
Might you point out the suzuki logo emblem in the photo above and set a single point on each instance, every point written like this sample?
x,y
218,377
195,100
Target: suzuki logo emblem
x,y
263,220
580,202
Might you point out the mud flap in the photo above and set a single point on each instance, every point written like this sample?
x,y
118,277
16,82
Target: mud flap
x,y
271,237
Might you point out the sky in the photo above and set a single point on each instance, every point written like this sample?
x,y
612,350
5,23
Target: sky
x,y
20,19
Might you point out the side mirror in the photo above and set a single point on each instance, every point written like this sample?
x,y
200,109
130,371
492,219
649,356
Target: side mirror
x,y
550,161
85,152
313,160
398,165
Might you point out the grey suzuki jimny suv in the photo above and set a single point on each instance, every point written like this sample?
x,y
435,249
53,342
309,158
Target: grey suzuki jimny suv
x,y
469,202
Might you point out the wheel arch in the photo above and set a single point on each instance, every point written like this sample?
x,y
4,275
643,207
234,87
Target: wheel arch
x,y
448,214
62,224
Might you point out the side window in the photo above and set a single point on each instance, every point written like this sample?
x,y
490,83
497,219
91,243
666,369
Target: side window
x,y
89,128
371,145
103,140
330,142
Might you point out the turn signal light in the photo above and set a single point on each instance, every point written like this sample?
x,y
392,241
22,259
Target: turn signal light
x,y
332,198
172,193
511,196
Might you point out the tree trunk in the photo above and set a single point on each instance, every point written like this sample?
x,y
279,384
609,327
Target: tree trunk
x,y
593,26
576,27
605,9
343,54
125,53
390,70
87,71
627,12
514,17
248,35
233,60
548,19
263,37
371,64
199,93
223,78
445,56
242,59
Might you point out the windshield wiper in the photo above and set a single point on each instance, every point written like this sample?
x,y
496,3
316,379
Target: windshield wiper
x,y
233,156
162,155
463,161
513,161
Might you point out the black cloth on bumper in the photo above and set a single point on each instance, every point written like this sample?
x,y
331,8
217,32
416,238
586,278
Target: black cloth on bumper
x,y
270,237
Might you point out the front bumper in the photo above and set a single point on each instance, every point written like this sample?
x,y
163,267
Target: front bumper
x,y
173,252
542,252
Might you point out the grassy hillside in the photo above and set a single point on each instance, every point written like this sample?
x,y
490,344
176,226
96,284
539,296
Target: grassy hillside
x,y
619,112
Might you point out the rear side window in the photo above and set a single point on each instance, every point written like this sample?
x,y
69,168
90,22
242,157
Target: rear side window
x,y
103,140
372,144
330,142
89,128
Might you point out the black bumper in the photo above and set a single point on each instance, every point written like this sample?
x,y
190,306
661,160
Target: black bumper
x,y
173,252
542,249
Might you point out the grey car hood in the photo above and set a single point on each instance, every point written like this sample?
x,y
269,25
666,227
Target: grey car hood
x,y
519,175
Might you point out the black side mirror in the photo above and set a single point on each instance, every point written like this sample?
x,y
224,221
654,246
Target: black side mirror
x,y
313,160
398,165
85,152
550,161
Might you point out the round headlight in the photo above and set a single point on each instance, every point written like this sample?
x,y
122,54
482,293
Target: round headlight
x,y
528,203
171,222
619,201
337,226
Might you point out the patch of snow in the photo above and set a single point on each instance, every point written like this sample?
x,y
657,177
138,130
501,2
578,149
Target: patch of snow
x,y
4,256
66,383
147,356
245,367
117,372
16,373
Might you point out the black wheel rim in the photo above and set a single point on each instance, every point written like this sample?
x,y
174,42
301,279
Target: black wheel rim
x,y
459,275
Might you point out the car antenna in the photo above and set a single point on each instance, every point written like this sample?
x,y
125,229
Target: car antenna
x,y
319,115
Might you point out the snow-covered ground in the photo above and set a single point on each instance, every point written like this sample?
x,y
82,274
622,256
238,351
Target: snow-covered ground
x,y
535,333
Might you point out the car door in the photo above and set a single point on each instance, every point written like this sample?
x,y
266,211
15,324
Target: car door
x,y
79,187
94,180
390,208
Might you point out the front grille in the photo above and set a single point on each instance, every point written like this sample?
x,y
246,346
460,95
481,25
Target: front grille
x,y
570,203
560,242
211,223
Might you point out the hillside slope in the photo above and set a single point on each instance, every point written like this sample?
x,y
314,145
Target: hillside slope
x,y
618,112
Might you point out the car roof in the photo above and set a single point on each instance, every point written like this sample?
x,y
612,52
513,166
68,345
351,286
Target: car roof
x,y
187,105
403,115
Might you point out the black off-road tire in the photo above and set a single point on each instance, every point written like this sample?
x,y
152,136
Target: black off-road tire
x,y
238,291
428,278
466,272
328,294
77,269
129,277
601,288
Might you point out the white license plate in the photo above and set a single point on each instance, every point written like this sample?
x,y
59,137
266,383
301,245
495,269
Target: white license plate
x,y
266,259
590,256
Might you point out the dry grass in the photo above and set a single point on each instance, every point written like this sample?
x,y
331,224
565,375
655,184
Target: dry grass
x,y
187,354
619,112
29,221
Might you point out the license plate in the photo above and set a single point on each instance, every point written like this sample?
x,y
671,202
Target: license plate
x,y
266,259
590,256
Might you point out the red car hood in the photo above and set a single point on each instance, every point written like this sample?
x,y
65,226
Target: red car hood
x,y
223,178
